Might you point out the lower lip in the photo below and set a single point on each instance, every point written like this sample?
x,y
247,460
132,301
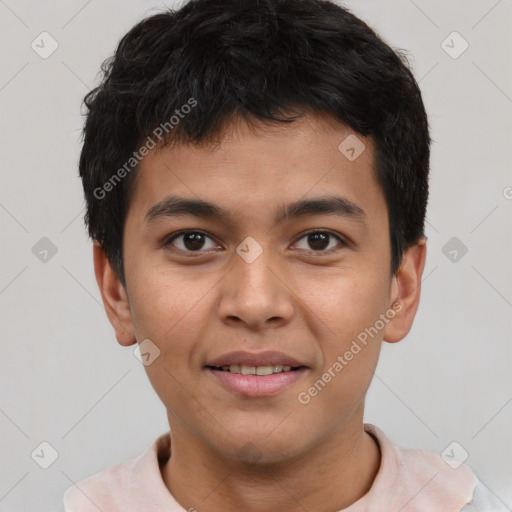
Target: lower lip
x,y
257,385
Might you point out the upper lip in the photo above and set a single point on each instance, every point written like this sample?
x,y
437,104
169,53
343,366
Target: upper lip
x,y
267,358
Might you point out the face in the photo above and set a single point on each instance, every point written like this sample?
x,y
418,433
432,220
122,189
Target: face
x,y
287,266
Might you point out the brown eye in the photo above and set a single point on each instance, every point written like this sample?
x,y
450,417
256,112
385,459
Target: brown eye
x,y
319,241
191,241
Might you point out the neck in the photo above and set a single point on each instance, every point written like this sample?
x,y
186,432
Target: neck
x,y
330,476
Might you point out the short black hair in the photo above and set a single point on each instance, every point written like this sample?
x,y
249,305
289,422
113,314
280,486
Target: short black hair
x,y
180,76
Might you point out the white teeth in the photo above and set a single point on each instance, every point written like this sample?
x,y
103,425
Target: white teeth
x,y
264,370
256,370
248,370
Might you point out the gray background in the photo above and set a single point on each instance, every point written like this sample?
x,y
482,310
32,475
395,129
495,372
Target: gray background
x,y
63,377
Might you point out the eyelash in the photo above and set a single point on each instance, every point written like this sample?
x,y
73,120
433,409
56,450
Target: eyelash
x,y
174,236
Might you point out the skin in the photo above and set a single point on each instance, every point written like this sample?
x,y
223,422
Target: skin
x,y
308,303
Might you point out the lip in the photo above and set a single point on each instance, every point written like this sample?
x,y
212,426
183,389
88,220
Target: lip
x,y
266,358
256,385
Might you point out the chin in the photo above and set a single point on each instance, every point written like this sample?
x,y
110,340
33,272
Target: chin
x,y
261,448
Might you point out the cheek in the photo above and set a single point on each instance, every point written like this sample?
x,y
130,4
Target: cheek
x,y
346,306
170,313
162,302
349,348
344,303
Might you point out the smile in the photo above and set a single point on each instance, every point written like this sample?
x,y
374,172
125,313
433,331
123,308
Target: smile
x,y
256,381
255,370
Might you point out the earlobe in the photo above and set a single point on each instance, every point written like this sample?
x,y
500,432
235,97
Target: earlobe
x,y
405,292
114,296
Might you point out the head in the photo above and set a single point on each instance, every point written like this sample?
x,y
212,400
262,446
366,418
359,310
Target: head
x,y
249,125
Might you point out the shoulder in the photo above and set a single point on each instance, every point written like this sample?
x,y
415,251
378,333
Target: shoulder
x,y
455,487
435,480
122,487
104,490
421,480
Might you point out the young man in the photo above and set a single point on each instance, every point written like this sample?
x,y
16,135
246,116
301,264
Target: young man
x,y
256,177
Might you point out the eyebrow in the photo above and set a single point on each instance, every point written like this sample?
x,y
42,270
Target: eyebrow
x,y
174,206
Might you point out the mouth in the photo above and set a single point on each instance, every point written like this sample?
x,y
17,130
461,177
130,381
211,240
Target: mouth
x,y
255,363
255,384
260,371
255,374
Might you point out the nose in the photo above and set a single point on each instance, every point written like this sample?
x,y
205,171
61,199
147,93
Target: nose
x,y
256,295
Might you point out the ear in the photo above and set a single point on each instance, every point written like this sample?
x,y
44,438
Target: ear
x,y
115,298
405,292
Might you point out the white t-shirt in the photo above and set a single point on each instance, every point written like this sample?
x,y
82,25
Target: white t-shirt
x,y
408,480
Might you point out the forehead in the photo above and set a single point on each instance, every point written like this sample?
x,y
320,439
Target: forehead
x,y
258,168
